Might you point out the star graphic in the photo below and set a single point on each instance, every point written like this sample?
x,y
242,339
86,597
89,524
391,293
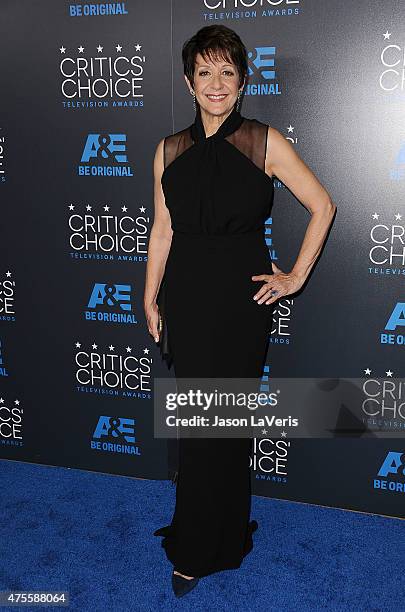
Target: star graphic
x,y
99,48
138,47
142,209
124,209
387,35
62,49
398,217
118,47
8,273
78,345
81,49
88,207
106,208
94,346
290,128
71,207
111,347
367,371
376,216
128,349
389,373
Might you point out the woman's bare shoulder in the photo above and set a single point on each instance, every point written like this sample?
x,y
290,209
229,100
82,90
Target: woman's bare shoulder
x,y
276,141
158,159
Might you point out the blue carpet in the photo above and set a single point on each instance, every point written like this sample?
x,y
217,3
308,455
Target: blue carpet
x,y
91,534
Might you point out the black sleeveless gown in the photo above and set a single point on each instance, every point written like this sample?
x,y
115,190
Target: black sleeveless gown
x,y
219,198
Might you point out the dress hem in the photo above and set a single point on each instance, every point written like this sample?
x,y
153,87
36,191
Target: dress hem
x,y
168,532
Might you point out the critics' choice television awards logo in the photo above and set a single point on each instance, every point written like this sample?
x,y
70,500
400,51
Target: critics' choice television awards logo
x,y
391,475
383,402
282,309
105,155
395,326
115,435
7,297
268,460
113,372
250,9
387,248
103,234
392,58
110,304
282,319
102,77
11,422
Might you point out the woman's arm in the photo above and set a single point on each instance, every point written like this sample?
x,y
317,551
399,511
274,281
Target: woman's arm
x,y
283,161
159,246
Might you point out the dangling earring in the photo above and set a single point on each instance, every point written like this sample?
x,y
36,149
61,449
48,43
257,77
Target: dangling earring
x,y
238,100
194,102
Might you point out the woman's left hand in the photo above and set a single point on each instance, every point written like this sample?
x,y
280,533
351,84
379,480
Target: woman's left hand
x,y
282,282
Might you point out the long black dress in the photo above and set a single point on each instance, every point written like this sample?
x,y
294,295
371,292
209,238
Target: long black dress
x,y
219,198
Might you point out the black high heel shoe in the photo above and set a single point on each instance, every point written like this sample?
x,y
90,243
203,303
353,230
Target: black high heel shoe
x,y
181,585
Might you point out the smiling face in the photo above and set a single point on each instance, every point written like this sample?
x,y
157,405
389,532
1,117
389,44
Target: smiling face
x,y
216,84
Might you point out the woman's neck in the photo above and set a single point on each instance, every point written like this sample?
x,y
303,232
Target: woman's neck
x,y
212,122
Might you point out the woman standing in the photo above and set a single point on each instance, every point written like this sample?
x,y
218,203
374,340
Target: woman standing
x,y
213,193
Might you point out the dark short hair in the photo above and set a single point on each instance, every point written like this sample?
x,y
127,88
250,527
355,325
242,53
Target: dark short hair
x,y
214,42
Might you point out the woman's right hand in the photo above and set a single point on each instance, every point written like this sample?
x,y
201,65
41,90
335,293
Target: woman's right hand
x,y
152,318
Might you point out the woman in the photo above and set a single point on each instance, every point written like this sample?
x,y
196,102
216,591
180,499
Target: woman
x,y
213,192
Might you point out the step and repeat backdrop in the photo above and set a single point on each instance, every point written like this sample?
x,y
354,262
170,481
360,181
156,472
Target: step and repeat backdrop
x,y
87,91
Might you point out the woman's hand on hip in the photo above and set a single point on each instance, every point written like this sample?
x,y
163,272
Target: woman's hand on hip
x,y
281,282
152,318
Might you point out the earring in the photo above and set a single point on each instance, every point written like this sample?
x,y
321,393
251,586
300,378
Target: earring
x,y
194,102
238,99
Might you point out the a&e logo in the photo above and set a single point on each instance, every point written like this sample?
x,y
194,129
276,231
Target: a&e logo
x,y
115,435
391,470
262,66
395,321
110,304
105,155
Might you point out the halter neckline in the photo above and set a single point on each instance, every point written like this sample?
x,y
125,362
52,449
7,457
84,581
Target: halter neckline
x,y
227,127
